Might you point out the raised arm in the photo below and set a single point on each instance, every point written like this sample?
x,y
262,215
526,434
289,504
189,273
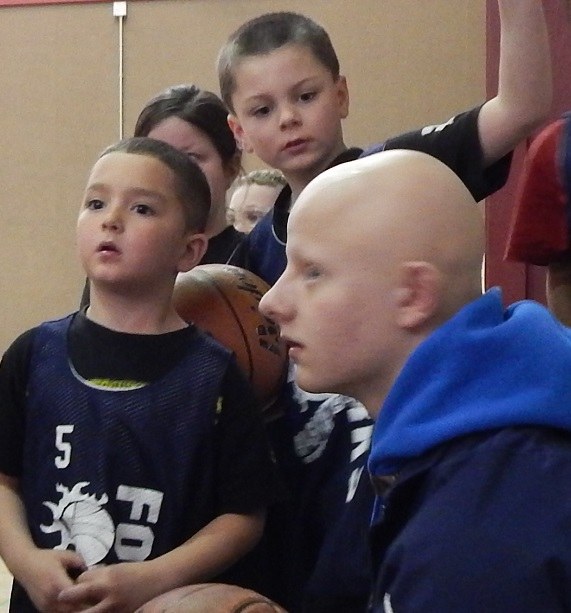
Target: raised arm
x,y
525,87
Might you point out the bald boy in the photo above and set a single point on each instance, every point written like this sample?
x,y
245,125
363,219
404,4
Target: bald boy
x,y
471,455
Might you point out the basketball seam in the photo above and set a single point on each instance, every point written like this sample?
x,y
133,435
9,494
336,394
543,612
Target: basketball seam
x,y
242,330
254,600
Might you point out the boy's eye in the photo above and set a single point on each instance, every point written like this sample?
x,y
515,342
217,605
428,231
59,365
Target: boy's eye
x,y
143,209
307,96
94,204
312,272
195,157
261,111
254,216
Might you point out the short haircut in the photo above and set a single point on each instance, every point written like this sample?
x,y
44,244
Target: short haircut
x,y
201,108
190,184
263,176
267,33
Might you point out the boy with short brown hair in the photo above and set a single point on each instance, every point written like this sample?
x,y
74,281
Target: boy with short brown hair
x,y
133,457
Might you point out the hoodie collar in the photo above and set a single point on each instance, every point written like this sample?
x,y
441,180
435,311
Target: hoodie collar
x,y
486,368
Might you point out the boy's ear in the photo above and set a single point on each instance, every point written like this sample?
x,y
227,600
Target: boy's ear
x,y
239,134
418,295
343,96
194,249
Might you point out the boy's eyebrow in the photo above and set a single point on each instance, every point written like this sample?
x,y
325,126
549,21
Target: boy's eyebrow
x,y
297,85
133,192
146,193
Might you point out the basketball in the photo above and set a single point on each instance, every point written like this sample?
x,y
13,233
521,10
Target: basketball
x,y
211,598
223,300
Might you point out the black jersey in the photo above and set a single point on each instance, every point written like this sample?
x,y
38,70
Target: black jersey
x,y
222,247
456,143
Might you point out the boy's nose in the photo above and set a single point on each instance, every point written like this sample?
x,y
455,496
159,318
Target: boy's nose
x,y
272,304
266,305
112,219
289,115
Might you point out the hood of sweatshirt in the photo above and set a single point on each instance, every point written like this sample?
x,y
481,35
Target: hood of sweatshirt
x,y
486,368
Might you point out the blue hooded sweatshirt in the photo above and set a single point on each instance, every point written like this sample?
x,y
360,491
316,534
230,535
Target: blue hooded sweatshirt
x,y
476,436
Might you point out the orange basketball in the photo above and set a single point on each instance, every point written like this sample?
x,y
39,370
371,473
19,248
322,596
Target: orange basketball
x,y
211,598
223,300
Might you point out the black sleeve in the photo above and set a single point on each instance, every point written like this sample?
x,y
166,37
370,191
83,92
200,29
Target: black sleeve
x,y
247,473
84,301
457,144
14,369
241,255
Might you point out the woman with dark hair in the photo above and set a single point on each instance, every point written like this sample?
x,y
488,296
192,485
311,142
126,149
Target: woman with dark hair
x,y
193,120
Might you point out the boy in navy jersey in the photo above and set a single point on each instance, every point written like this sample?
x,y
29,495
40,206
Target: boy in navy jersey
x,y
132,459
280,77
471,452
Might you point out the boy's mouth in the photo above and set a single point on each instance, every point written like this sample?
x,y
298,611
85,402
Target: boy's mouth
x,y
107,247
290,343
298,143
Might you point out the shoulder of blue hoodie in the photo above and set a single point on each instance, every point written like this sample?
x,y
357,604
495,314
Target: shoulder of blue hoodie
x,y
479,524
486,368
477,436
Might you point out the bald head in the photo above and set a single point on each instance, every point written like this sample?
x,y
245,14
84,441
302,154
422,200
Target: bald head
x,y
402,206
381,251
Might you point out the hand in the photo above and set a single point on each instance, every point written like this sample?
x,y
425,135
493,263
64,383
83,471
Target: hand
x,y
118,588
46,574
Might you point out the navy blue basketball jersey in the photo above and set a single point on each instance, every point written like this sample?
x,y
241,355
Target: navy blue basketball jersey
x,y
119,472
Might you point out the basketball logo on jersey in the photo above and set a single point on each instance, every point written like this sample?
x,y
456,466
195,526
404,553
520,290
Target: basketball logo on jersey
x,y
86,526
83,523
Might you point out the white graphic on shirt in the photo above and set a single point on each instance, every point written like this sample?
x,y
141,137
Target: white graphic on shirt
x,y
64,447
387,607
135,540
86,527
361,436
437,128
83,523
310,442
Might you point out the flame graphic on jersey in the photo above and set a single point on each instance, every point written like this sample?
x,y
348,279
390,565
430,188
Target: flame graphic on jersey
x,y
83,523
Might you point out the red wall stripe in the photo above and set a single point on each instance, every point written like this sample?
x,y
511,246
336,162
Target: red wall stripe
x,y
32,2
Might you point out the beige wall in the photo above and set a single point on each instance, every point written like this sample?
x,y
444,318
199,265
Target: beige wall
x,y
407,63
